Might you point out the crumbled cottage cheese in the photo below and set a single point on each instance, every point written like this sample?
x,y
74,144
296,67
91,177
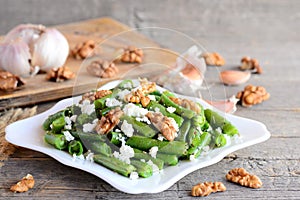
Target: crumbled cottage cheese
x,y
171,109
134,175
90,156
112,102
155,168
143,119
123,93
73,118
134,111
126,152
87,107
153,151
68,125
192,157
151,97
69,137
89,127
160,137
127,128
80,157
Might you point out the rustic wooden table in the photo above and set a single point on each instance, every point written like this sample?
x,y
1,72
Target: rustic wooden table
x,y
266,30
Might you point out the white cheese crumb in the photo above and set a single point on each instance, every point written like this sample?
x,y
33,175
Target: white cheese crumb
x,y
127,85
228,139
143,119
123,93
86,107
117,130
156,110
112,102
127,128
68,120
160,137
68,127
153,151
51,126
73,118
175,125
155,168
143,160
171,109
134,175
80,157
126,152
151,97
206,148
192,157
132,110
90,156
69,137
88,127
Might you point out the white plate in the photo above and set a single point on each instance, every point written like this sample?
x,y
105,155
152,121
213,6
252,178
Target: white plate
x,y
28,133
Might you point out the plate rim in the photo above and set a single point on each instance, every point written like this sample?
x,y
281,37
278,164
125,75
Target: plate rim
x,y
81,165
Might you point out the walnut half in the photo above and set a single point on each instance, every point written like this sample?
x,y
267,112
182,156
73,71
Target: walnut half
x,y
9,81
242,177
102,68
23,185
109,121
206,188
60,74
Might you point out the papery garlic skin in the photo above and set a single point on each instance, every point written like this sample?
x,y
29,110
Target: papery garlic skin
x,y
50,50
29,33
14,57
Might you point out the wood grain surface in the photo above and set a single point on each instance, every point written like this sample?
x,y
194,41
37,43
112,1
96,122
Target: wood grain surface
x,y
110,37
266,30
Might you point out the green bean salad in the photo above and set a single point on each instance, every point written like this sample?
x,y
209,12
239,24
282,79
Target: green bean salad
x,y
136,130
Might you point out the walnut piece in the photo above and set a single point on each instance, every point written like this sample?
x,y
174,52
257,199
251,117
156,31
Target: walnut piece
x,y
206,188
252,64
92,96
102,68
132,54
84,50
252,95
186,103
9,81
60,74
23,185
164,124
109,121
242,177
213,59
139,95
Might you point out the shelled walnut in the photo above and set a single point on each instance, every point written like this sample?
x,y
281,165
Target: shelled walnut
x,y
252,95
186,103
213,59
23,185
9,81
60,74
109,121
84,50
252,64
163,124
132,54
102,68
206,188
242,177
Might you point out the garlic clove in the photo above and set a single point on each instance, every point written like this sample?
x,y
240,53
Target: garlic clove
x,y
233,77
50,50
227,105
15,57
29,33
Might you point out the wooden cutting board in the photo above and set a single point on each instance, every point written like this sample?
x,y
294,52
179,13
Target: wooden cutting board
x,y
111,36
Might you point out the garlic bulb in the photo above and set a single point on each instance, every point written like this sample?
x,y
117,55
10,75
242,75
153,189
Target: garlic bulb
x,y
14,57
50,50
46,49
